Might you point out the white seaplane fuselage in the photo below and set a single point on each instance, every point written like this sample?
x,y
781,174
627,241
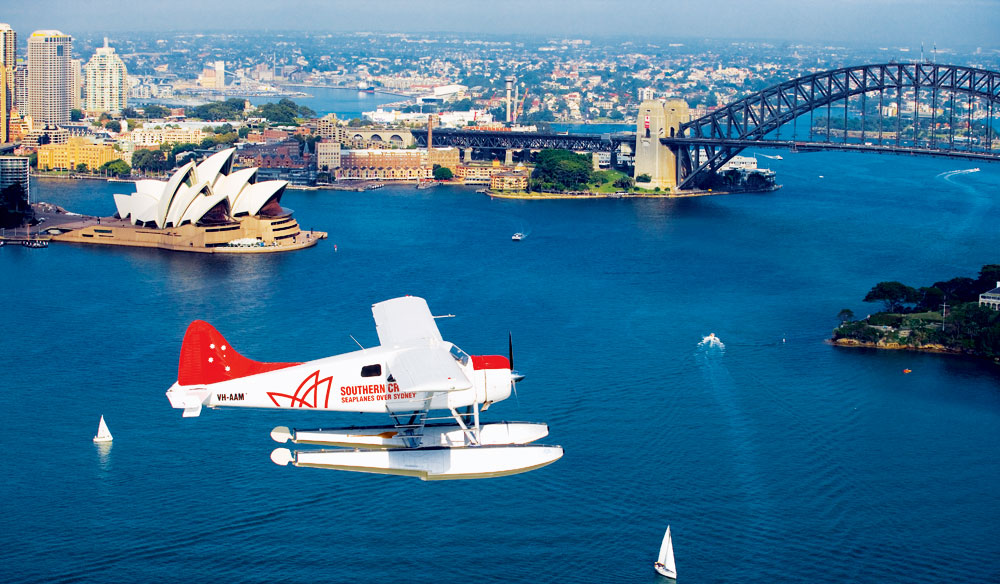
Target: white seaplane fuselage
x,y
352,382
413,371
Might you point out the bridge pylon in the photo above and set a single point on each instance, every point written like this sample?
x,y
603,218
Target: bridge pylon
x,y
658,119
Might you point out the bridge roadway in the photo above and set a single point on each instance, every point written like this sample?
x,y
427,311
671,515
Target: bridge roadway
x,y
800,146
491,140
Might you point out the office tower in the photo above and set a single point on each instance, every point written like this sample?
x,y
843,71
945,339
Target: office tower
x,y
50,77
76,85
106,82
14,169
8,62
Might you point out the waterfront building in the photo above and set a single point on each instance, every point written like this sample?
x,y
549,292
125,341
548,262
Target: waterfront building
x,y
375,164
327,156
106,82
991,299
14,169
74,152
447,157
209,207
509,181
50,77
479,174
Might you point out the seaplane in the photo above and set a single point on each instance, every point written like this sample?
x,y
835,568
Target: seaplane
x,y
411,374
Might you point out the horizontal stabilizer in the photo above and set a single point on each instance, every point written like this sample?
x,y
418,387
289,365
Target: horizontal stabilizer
x,y
207,358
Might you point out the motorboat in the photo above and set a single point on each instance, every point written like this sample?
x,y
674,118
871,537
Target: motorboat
x,y
517,236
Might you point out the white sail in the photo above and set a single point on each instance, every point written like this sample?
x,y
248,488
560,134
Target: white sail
x,y
103,434
665,561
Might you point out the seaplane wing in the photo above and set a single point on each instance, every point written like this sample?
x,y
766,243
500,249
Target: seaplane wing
x,y
405,321
427,369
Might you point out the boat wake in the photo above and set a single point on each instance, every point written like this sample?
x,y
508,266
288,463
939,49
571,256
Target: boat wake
x,y
948,174
712,342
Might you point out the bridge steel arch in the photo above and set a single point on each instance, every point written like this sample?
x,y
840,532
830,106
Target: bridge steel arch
x,y
707,143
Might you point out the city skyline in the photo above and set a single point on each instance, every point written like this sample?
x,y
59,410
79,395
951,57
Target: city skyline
x,y
896,22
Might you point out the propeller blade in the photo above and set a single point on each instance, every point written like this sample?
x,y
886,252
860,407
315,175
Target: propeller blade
x,y
510,349
514,375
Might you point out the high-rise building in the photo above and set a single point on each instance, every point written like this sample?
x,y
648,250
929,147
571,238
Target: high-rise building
x,y
14,169
50,77
76,87
8,62
106,82
220,74
21,86
4,108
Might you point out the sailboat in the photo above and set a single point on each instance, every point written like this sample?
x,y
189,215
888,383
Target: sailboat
x,y
103,434
664,565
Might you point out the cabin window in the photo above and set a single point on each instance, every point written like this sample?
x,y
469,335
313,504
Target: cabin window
x,y
459,355
371,370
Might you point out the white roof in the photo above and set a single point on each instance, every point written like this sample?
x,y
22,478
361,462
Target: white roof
x,y
194,190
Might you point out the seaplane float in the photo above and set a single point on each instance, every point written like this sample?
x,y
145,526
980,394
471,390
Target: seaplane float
x,y
411,374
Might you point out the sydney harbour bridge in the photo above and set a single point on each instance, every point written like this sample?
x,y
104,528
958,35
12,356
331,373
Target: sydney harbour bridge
x,y
925,109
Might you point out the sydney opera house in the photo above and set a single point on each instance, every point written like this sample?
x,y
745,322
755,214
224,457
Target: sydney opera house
x,y
208,207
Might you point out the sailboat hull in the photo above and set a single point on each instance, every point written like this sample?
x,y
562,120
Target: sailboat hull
x,y
663,571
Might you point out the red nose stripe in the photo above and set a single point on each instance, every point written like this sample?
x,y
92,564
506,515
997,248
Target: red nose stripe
x,y
490,362
206,358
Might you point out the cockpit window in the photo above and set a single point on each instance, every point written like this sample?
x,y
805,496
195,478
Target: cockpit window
x,y
459,355
371,370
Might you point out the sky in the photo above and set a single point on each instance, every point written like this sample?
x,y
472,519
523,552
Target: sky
x,y
905,23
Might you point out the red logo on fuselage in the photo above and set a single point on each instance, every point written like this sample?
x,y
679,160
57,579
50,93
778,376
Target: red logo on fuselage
x,y
307,394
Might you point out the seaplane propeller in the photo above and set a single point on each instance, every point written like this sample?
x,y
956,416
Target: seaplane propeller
x,y
514,375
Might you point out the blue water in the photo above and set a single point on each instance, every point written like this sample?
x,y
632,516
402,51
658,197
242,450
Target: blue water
x,y
346,103
777,459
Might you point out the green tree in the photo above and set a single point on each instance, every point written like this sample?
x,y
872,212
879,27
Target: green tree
x,y
284,112
155,111
14,210
82,167
893,295
562,170
114,126
643,178
845,315
149,160
116,168
75,115
443,173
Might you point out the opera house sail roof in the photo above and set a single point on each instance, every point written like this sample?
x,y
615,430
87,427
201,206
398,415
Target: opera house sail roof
x,y
204,194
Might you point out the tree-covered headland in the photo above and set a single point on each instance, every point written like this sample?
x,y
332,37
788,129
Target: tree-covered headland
x,y
945,316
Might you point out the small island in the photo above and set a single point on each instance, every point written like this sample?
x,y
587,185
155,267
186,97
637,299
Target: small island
x,y
958,316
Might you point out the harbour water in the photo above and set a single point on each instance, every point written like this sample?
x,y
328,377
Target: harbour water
x,y
775,458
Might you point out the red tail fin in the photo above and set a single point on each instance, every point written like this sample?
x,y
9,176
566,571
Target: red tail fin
x,y
206,358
